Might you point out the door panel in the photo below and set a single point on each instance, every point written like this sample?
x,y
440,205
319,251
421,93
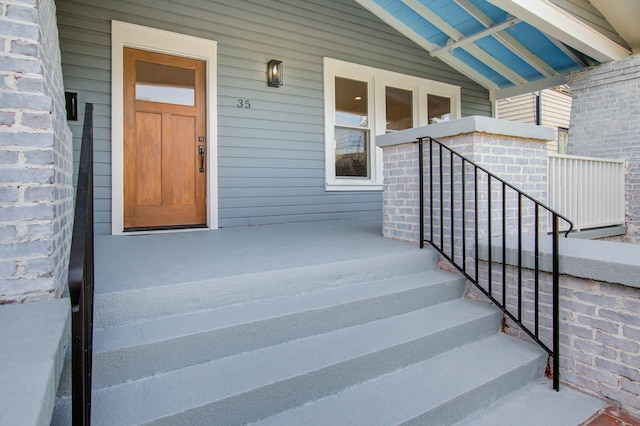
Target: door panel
x,y
182,161
164,115
148,157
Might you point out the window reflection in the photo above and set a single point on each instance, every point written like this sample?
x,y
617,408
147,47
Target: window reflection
x,y
439,109
351,103
351,152
399,107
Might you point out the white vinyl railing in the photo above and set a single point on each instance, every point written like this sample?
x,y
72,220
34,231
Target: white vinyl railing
x,y
589,191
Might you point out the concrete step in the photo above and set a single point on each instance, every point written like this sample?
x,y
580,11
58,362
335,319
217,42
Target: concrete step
x,y
169,343
437,391
253,385
125,307
537,404
136,350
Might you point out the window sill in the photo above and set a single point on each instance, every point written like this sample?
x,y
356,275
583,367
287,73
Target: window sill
x,y
353,186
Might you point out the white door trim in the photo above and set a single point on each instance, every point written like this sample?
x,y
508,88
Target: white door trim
x,y
129,35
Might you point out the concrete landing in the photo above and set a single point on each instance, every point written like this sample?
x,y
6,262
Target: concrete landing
x,y
34,337
137,261
537,404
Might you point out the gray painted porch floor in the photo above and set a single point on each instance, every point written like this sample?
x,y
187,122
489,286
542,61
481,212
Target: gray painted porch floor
x,y
133,262
137,261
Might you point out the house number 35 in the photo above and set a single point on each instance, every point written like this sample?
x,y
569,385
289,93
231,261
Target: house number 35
x,y
243,103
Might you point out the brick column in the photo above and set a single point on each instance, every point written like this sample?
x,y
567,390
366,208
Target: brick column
x,y
605,123
36,192
515,152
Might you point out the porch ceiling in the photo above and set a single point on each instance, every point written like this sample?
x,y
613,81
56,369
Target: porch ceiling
x,y
508,46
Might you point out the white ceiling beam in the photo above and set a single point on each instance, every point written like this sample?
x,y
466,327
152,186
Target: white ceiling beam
x,y
560,24
450,60
508,40
394,22
465,69
475,11
477,36
456,35
534,86
570,53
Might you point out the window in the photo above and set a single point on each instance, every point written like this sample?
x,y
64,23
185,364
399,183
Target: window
x,y
439,108
352,130
362,102
164,83
399,109
563,140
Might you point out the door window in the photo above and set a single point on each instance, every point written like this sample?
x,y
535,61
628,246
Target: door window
x,y
165,84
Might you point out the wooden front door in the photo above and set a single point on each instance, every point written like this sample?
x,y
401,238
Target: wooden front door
x,y
164,141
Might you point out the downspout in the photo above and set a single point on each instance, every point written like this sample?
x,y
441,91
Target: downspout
x,y
539,108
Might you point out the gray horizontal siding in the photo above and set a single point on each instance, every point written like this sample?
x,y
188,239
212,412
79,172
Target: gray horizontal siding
x,y
588,13
271,157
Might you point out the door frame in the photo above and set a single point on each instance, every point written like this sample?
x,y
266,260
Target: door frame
x,y
145,38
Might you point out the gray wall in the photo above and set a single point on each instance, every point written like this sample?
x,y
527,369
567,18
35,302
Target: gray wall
x,y
605,123
271,157
36,192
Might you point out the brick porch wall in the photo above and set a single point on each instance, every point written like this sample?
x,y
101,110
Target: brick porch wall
x,y
605,122
600,321
599,331
36,191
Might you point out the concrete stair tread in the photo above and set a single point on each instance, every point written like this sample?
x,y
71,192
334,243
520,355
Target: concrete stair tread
x,y
137,350
158,329
537,404
130,306
432,392
198,385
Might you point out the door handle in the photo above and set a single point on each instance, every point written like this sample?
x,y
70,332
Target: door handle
x,y
201,154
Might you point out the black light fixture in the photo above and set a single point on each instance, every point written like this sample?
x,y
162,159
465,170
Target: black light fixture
x,y
71,105
275,76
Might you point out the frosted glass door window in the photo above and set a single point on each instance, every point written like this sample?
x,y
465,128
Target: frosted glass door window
x,y
165,84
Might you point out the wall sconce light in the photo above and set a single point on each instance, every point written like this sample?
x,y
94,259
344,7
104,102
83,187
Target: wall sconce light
x,y
71,105
275,73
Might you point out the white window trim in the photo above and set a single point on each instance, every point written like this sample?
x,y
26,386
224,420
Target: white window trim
x,y
130,35
378,80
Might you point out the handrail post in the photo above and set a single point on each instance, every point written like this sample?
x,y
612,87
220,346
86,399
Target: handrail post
x,y
81,279
421,188
556,305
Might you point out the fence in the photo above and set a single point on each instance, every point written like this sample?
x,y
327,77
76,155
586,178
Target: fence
x,y
589,191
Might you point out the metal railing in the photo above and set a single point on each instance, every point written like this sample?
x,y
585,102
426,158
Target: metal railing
x,y
589,191
81,273
472,212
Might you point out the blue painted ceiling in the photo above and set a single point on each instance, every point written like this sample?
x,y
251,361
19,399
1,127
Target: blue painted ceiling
x,y
503,52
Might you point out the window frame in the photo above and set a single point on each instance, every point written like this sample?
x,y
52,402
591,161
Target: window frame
x,y
562,131
378,80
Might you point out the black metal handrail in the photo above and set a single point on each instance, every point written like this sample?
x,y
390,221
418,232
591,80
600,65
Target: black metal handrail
x,y
81,274
456,210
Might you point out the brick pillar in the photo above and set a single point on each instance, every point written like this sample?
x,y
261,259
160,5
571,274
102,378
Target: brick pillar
x,y
515,152
605,123
36,192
